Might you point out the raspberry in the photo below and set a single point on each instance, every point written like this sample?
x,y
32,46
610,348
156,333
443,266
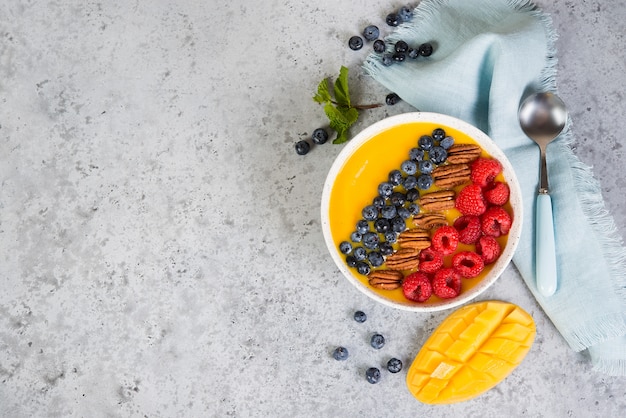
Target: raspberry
x,y
469,228
430,260
468,264
497,193
488,248
484,170
447,283
471,201
416,287
495,222
445,240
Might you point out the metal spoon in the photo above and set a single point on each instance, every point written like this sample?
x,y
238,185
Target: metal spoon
x,y
542,117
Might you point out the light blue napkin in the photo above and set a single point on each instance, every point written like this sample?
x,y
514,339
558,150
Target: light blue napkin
x,y
488,56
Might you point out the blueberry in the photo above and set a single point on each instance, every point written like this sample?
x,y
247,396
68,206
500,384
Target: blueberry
x,y
392,19
398,224
390,238
387,60
360,317
426,166
302,147
425,142
385,189
372,375
371,240
409,167
438,154
363,268
399,56
379,46
416,154
401,46
371,33
413,53
375,258
410,182
351,261
340,353
386,248
369,213
414,208
359,253
388,211
377,341
362,226
426,49
355,43
397,198
382,225
319,136
392,99
438,134
356,236
378,202
404,213
395,177
394,365
447,142
412,195
424,181
405,13
345,247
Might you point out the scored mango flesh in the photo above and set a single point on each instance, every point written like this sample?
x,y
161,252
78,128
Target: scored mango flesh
x,y
472,350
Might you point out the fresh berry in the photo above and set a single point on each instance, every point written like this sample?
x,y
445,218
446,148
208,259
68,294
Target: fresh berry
x,y
371,240
360,317
355,43
371,33
398,224
356,236
447,142
413,53
409,167
392,19
401,46
388,211
362,226
410,182
363,268
416,287
447,283
385,189
497,193
386,248
359,253
445,240
302,147
377,341
351,261
369,212
375,258
468,264
405,13
469,228
404,213
394,365
414,208
426,166
340,353
392,99
391,237
379,46
319,136
438,154
495,221
425,142
382,225
372,375
345,247
438,134
424,181
416,154
484,171
426,50
412,195
430,260
488,248
378,202
470,200
386,60
397,198
399,56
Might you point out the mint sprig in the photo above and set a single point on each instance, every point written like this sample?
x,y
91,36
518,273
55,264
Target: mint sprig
x,y
339,110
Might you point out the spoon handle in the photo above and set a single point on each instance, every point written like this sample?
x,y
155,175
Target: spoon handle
x,y
545,257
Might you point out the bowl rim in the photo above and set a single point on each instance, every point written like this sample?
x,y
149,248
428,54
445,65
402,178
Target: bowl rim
x,y
484,141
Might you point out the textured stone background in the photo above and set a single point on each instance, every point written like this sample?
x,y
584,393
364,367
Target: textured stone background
x,y
160,244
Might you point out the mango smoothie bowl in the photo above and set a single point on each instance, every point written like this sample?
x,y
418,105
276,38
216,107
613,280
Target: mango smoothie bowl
x,y
421,211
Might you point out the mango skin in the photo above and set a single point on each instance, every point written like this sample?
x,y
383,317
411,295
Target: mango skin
x,y
471,351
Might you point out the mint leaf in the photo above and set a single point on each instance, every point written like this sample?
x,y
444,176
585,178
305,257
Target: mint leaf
x,y
350,114
323,94
342,136
342,93
340,121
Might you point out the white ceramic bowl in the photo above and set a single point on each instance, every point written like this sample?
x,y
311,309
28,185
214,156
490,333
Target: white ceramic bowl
x,y
367,158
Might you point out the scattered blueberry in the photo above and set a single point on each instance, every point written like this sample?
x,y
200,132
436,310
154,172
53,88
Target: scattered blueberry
x,y
410,182
416,154
414,208
375,258
397,198
424,181
447,142
356,236
413,53
359,253
319,136
426,49
390,237
387,60
392,99
377,341
385,189
404,213
340,353
392,19
379,46
378,202
355,43
412,195
363,268
351,261
388,211
386,248
371,240
394,365
372,375
371,33
369,213
398,224
401,46
345,247
438,154
382,225
438,134
405,13
399,56
409,167
395,177
360,317
425,142
426,166
302,147
362,226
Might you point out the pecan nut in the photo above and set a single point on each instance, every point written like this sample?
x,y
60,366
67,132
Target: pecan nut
x,y
430,220
416,238
440,200
451,175
386,279
403,259
463,153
